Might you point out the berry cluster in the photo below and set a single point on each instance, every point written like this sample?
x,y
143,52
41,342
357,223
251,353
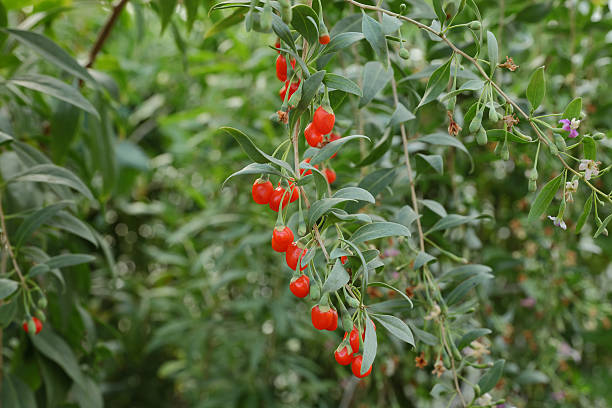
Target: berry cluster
x,y
35,323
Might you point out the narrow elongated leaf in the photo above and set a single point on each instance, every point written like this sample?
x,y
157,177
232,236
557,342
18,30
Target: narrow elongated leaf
x,y
338,277
66,260
589,147
603,226
16,394
493,51
463,272
379,230
374,182
254,168
55,348
501,135
235,18
52,174
319,178
437,5
588,205
423,258
375,78
322,206
309,90
56,88
397,327
166,10
374,34
401,115
464,287
355,193
544,198
442,139
335,81
370,346
379,150
450,221
305,21
423,336
434,160
5,138
436,84
406,216
342,41
34,221
470,336
344,216
435,206
282,31
50,51
387,286
573,109
536,88
332,148
7,288
492,376
68,222
471,85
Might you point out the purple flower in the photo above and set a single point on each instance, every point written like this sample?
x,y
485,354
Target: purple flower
x,y
570,126
558,396
558,222
528,302
390,253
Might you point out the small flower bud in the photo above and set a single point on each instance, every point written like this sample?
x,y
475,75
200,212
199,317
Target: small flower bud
x,y
505,152
493,116
41,315
475,25
347,322
533,185
599,136
315,292
286,11
352,302
533,174
475,123
404,53
42,302
266,17
559,142
553,149
450,105
481,136
31,326
402,8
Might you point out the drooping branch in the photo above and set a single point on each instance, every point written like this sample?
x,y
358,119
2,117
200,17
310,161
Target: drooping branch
x,y
106,30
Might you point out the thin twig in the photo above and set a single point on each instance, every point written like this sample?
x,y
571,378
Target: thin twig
x,y
6,243
103,35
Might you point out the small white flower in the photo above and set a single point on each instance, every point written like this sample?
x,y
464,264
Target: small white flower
x,y
575,123
485,400
590,168
558,222
570,188
435,312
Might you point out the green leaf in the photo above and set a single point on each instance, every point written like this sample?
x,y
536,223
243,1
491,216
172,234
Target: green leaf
x,y
500,135
344,216
406,216
375,78
424,336
573,109
585,214
464,271
436,84
5,138
7,288
435,206
442,139
342,41
305,21
470,336
66,260
50,51
532,377
332,148
544,198
322,206
191,8
369,346
464,287
56,88
335,81
437,5
423,258
311,87
248,146
536,88
396,327
493,51
374,182
434,160
319,178
35,220
16,394
379,150
491,378
254,168
450,221
87,393
56,349
379,230
387,286
471,85
589,147
235,18
355,193
8,311
52,174
338,277
283,31
373,32
603,226
166,10
401,115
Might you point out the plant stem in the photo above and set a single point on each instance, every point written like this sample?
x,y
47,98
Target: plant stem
x,y
103,36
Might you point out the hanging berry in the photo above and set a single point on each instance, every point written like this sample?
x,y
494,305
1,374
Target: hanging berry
x,y
262,191
276,197
356,367
321,316
292,88
312,135
353,339
295,191
281,68
333,325
281,238
330,174
343,354
343,259
300,286
37,325
294,254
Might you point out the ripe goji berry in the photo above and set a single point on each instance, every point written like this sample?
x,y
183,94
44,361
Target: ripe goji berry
x,y
292,88
313,137
281,238
304,172
324,39
276,197
343,259
356,367
295,191
321,317
37,323
330,174
324,120
333,325
262,191
294,254
353,339
343,355
300,286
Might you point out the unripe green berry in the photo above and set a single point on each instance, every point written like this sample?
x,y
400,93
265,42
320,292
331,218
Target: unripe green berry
x,y
559,142
533,185
266,17
42,302
475,25
553,149
493,116
481,136
475,124
352,302
315,292
404,53
347,322
505,152
450,105
41,315
533,174
31,326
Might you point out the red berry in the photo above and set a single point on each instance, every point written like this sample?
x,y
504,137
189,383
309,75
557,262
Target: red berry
x,y
300,286
354,339
262,191
343,259
356,367
294,254
277,44
323,120
304,172
324,39
281,68
321,319
37,323
330,174
333,325
313,137
295,191
277,196
363,333
292,88
343,355
281,238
